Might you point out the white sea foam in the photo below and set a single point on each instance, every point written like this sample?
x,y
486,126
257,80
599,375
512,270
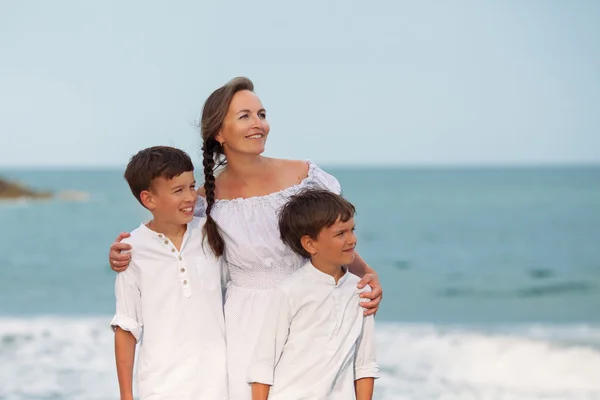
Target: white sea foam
x,y
428,362
72,358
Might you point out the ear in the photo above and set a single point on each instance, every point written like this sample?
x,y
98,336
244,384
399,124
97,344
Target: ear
x,y
220,139
309,244
148,200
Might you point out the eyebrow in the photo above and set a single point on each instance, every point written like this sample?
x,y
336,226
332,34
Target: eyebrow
x,y
344,229
248,111
180,186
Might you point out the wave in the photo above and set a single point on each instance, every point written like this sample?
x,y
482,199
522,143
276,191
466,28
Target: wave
x,y
72,358
536,362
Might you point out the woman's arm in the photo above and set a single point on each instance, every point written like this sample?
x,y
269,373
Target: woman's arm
x,y
369,277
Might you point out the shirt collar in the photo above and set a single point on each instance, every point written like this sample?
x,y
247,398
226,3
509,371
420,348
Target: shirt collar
x,y
161,237
322,277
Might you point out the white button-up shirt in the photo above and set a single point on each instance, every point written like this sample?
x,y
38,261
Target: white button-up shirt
x,y
314,341
172,303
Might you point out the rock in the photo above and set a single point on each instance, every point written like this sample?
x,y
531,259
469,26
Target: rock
x,y
12,190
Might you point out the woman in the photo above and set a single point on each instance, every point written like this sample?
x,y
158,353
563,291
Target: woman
x,y
241,206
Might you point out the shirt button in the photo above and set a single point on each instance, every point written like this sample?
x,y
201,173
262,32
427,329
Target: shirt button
x,y
185,281
166,242
182,270
172,250
180,258
160,235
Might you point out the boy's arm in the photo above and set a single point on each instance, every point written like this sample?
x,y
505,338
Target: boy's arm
x,y
127,325
366,368
125,356
269,346
364,388
260,391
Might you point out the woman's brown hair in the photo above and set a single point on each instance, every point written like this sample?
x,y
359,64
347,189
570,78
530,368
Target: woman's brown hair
x,y
213,114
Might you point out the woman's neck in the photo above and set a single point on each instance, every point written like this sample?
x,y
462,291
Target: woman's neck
x,y
243,168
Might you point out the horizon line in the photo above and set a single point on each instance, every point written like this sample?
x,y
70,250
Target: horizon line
x,y
441,165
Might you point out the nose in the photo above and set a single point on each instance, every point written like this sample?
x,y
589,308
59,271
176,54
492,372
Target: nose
x,y
191,196
256,122
352,238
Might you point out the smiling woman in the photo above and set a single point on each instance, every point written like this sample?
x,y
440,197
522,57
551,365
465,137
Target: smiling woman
x,y
242,205
234,121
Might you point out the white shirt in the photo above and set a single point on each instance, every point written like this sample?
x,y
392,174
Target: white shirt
x,y
314,341
258,261
171,301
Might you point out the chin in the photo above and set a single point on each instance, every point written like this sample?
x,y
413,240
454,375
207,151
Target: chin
x,y
348,260
257,149
187,220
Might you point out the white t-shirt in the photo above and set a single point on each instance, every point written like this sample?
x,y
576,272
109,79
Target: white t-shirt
x,y
314,341
171,301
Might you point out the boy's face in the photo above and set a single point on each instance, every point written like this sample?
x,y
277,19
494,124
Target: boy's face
x,y
335,244
172,200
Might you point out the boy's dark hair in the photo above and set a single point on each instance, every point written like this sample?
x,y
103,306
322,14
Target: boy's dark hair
x,y
308,212
154,162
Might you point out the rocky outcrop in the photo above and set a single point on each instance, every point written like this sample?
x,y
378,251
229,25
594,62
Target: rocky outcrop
x,y
12,190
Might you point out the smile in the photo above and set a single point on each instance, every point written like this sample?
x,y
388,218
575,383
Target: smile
x,y
255,136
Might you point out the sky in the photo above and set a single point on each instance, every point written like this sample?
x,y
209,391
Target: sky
x,y
376,82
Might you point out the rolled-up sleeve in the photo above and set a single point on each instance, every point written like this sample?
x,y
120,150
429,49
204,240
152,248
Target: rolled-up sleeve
x,y
128,315
273,335
365,363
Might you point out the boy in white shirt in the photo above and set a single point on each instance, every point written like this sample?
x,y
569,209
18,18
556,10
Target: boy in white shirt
x,y
315,342
170,298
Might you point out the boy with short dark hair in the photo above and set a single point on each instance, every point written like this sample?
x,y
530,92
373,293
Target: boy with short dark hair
x,y
315,342
170,297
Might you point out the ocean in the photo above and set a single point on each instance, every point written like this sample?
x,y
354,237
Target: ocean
x,y
491,281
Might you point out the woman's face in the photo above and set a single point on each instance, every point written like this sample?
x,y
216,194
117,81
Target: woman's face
x,y
245,127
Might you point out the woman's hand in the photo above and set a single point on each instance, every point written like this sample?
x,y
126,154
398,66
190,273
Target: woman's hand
x,y
119,262
375,295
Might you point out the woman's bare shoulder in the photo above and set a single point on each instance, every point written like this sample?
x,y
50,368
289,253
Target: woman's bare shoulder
x,y
296,169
